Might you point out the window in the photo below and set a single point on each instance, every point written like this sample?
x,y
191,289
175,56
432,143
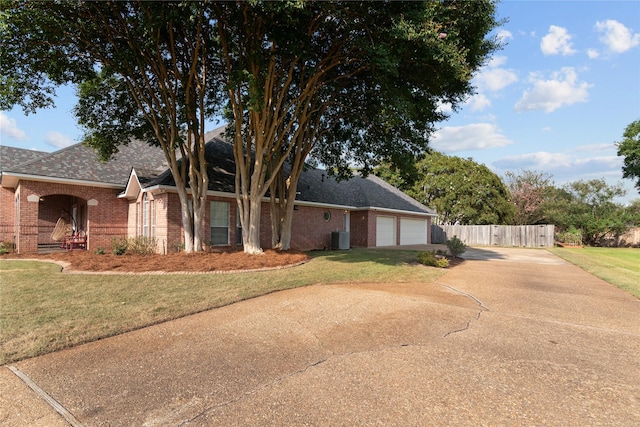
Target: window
x,y
219,223
153,219
138,220
145,215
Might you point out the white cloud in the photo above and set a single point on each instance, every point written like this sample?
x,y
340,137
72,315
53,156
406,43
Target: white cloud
x,y
616,36
557,41
590,148
9,128
475,136
566,167
541,160
58,139
592,53
494,78
497,61
444,107
548,95
504,35
478,102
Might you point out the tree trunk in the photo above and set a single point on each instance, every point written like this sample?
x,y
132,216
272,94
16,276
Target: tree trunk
x,y
285,211
187,223
285,227
199,180
277,196
251,232
198,216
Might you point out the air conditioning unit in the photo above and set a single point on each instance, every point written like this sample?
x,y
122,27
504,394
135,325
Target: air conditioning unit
x,y
340,240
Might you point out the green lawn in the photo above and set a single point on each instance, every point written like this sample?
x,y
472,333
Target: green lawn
x,y
618,266
43,310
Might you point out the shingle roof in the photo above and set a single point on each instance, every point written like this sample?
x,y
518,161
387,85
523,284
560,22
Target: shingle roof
x,y
371,192
11,157
79,162
221,165
314,186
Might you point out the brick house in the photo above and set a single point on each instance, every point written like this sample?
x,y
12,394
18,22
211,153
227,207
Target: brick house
x,y
134,195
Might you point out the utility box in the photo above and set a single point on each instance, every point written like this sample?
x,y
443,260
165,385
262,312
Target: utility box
x,y
340,240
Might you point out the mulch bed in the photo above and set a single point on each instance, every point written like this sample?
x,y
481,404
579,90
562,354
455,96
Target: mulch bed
x,y
80,260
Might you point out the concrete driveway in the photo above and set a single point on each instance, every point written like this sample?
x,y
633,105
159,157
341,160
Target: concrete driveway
x,y
510,337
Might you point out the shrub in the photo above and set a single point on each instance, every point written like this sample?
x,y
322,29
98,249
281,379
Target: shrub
x,y
572,237
100,251
5,247
442,263
430,259
456,246
177,247
141,245
119,245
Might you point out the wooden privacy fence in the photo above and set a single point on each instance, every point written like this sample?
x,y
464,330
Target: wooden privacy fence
x,y
631,237
529,236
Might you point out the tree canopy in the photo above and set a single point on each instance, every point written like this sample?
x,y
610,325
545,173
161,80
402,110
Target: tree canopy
x,y
143,70
528,190
347,83
460,190
589,206
629,148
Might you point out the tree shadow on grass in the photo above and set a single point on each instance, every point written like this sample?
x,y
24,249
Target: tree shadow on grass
x,y
366,255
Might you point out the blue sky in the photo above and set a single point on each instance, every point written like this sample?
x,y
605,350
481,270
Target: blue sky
x,y
555,99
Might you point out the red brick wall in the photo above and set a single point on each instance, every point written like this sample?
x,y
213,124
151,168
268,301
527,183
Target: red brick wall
x,y
106,215
310,230
7,215
169,230
360,230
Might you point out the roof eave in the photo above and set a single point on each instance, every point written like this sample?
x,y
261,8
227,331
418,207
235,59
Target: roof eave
x,y
171,189
396,211
12,179
133,187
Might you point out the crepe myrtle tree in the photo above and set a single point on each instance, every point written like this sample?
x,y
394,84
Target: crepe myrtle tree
x,y
344,83
143,70
527,192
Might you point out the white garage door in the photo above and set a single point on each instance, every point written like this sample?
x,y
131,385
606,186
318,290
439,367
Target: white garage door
x,y
413,231
385,231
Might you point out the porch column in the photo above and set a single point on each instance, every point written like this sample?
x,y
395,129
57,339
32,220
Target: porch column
x,y
27,221
92,209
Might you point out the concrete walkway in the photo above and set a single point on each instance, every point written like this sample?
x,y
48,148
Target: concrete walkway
x,y
512,337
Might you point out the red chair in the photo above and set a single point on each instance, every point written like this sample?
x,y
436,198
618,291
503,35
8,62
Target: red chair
x,y
77,240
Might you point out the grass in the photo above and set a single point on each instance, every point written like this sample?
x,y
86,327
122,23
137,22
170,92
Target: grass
x,y
618,266
43,310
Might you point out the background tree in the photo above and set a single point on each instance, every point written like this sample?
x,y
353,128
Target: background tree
x,y
348,83
629,148
460,190
633,213
527,192
143,70
588,206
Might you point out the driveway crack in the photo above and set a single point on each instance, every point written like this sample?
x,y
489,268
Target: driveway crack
x,y
255,390
468,295
473,298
